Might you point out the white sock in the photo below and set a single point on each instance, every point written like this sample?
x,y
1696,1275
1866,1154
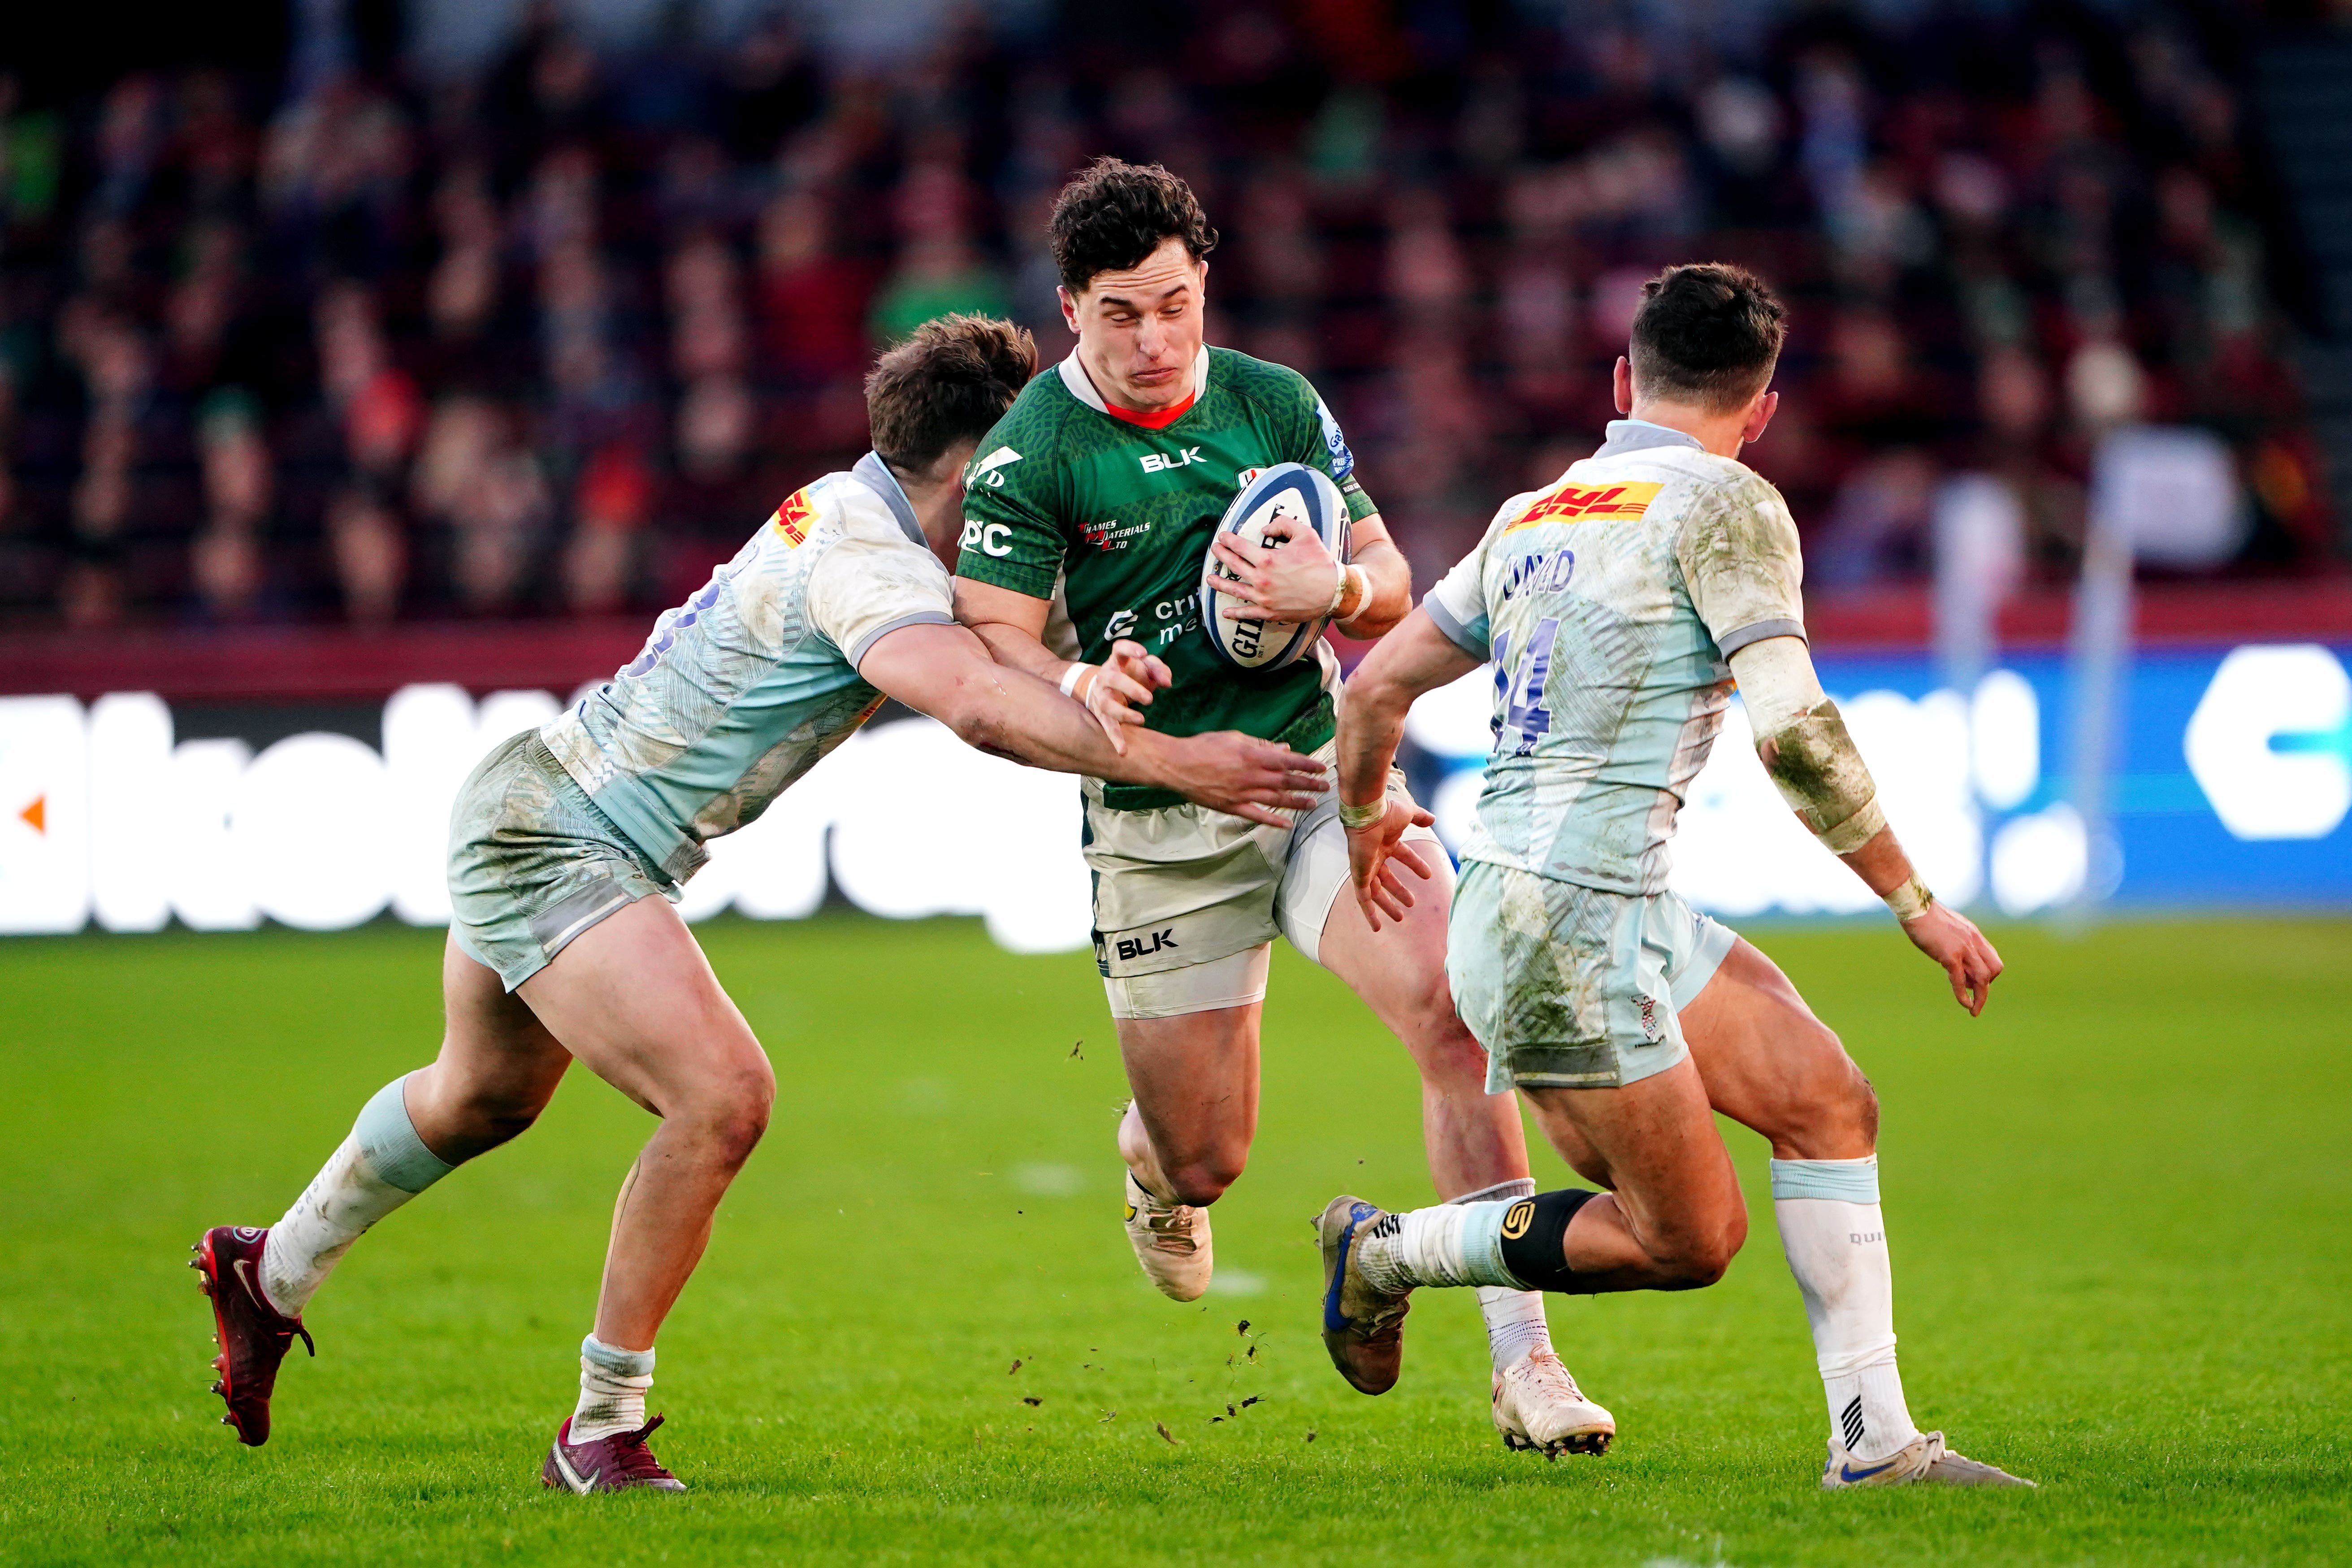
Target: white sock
x,y
1516,1329
1453,1244
1836,1236
613,1384
379,1167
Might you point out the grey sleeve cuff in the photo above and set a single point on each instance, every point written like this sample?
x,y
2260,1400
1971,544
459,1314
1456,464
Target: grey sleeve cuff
x,y
919,619
1739,637
1457,634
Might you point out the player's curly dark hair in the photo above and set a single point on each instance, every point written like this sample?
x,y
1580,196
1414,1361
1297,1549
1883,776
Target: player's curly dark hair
x,y
1707,333
1113,214
951,381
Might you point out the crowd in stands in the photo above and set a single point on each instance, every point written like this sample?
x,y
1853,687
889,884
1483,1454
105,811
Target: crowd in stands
x,y
554,335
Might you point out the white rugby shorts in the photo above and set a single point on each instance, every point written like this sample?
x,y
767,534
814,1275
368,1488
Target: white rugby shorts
x,y
1188,901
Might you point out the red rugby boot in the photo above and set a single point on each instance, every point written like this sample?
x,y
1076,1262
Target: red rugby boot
x,y
252,1335
612,1464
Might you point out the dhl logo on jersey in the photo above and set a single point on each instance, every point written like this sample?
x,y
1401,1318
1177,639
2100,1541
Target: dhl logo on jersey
x,y
1588,504
792,517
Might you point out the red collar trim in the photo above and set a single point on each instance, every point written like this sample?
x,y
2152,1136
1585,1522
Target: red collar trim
x,y
1151,419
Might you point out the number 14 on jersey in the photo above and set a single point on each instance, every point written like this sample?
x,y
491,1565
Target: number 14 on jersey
x,y
1522,719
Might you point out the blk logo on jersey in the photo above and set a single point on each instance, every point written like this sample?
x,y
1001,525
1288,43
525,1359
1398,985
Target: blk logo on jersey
x,y
1588,504
1135,947
792,517
1161,462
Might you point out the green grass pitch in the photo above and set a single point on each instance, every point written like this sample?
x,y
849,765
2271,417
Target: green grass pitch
x,y
2120,1206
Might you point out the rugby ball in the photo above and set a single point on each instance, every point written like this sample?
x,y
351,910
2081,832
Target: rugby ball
x,y
1302,497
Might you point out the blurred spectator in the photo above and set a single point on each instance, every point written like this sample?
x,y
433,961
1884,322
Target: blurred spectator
x,y
812,298
548,328
371,554
716,494
239,489
940,270
475,477
600,563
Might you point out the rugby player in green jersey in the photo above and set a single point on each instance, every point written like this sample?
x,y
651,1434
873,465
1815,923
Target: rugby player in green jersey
x,y
1088,512
569,843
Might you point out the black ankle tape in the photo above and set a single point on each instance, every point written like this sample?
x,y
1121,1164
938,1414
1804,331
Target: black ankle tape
x,y
1534,1230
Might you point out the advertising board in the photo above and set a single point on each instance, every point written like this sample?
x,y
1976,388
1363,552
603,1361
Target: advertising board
x,y
2231,787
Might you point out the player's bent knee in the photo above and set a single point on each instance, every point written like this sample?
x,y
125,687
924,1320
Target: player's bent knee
x,y
1204,1181
728,1113
501,1123
472,1119
1843,1107
1863,1101
1701,1257
735,1132
1696,1254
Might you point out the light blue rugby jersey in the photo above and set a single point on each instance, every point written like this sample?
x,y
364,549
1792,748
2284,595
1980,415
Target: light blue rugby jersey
x,y
1609,604
750,682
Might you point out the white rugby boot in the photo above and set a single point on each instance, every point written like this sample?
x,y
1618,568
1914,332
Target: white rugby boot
x,y
1538,1408
1171,1241
1923,1459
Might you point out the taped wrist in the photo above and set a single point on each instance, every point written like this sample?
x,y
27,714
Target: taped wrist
x,y
1813,764
1910,901
1355,584
1535,1237
1072,675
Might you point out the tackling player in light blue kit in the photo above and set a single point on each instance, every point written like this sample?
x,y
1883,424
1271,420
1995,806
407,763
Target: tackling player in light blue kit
x,y
1618,606
559,948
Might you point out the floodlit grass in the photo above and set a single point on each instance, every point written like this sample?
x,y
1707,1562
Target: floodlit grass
x,y
2120,1206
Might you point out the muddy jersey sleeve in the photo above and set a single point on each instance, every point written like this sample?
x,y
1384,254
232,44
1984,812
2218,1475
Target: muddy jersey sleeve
x,y
1011,537
1739,557
864,589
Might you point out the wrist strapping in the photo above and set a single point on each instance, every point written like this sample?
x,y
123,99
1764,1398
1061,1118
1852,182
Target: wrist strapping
x,y
1071,677
1355,817
1910,901
1350,579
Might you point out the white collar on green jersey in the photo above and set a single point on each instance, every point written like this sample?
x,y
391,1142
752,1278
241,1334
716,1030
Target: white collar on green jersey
x,y
1633,435
1082,385
875,474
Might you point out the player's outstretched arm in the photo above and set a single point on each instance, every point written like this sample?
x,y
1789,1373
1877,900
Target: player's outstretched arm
x,y
946,672
1805,748
1012,627
1413,658
1300,580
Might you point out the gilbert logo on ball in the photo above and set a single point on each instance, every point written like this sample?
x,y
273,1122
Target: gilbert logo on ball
x,y
1289,500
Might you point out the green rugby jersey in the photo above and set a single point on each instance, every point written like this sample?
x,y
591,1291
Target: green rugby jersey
x,y
1066,499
